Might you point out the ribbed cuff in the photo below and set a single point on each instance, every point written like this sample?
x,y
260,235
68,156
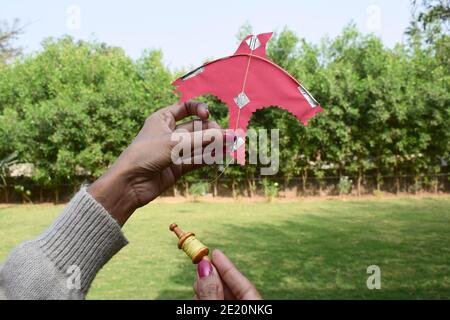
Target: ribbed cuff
x,y
84,237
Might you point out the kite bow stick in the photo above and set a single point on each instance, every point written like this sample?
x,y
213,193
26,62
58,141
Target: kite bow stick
x,y
264,84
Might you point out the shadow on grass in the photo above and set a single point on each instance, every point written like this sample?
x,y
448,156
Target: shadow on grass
x,y
319,259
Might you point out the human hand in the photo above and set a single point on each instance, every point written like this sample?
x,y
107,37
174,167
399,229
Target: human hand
x,y
221,280
145,169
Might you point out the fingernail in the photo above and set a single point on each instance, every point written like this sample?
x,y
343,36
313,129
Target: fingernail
x,y
204,268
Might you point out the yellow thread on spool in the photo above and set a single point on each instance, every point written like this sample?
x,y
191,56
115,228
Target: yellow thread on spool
x,y
190,244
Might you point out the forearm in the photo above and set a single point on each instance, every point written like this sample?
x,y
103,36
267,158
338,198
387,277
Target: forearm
x,y
87,234
82,239
114,192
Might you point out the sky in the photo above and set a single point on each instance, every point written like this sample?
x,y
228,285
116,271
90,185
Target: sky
x,y
188,32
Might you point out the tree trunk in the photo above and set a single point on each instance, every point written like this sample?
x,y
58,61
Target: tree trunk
x,y
359,182
41,195
304,180
416,184
250,188
56,196
233,188
397,180
186,189
175,191
26,199
378,178
6,194
397,184
215,192
436,184
285,186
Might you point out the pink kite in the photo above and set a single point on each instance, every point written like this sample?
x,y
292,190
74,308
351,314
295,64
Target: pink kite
x,y
245,82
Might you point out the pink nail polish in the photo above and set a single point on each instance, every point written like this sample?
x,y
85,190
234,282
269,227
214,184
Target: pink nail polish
x,y
204,268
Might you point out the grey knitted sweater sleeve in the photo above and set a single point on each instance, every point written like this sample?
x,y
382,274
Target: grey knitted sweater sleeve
x,y
62,262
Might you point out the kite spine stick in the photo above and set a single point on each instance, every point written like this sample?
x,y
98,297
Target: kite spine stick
x,y
244,84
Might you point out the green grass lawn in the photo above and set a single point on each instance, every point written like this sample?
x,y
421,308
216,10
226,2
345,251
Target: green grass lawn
x,y
300,250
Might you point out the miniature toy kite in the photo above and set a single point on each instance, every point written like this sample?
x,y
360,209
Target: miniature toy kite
x,y
245,82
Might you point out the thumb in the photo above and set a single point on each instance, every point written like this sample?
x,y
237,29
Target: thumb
x,y
208,285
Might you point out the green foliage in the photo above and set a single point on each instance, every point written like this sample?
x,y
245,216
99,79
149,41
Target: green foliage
x,y
198,189
245,30
8,33
77,104
25,193
5,164
432,17
345,185
73,107
271,189
378,194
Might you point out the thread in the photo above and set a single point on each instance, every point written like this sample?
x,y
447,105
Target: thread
x,y
192,246
247,69
187,242
243,87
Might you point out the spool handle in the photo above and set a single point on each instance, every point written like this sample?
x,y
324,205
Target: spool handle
x,y
174,228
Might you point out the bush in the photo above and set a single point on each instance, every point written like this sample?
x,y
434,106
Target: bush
x,y
271,189
378,193
25,193
345,185
77,105
198,189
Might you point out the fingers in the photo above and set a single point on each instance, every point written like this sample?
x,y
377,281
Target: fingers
x,y
196,125
194,164
190,108
221,280
198,161
228,295
239,285
194,140
208,285
195,150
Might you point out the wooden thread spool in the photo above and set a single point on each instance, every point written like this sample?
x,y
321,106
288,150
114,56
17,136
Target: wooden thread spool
x,y
190,244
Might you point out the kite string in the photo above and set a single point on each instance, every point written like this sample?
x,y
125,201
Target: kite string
x,y
223,171
238,116
243,86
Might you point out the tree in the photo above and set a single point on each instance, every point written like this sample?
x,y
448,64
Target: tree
x,y
431,23
430,45
432,16
245,30
9,33
76,105
71,108
5,164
